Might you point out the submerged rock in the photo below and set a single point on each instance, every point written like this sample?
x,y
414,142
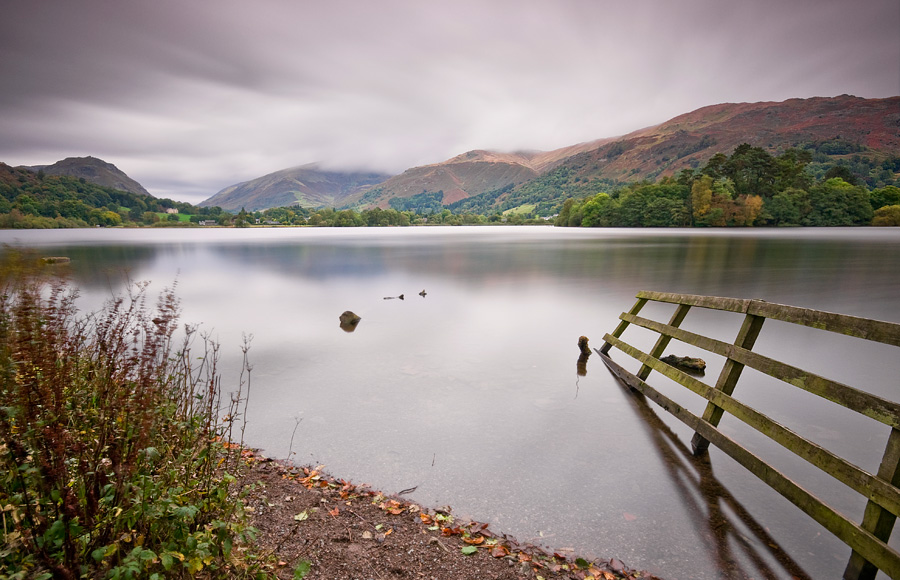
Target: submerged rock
x,y
697,365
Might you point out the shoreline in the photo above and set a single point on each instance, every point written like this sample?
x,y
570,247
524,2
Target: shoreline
x,y
336,530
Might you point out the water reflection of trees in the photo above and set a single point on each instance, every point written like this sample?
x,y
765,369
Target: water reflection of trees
x,y
706,498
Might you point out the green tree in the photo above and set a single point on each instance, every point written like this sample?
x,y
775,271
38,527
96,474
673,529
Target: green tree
x,y
838,203
841,172
888,215
789,207
242,219
889,195
598,211
564,213
791,170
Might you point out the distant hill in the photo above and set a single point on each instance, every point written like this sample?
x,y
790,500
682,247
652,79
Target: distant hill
x,y
467,175
306,186
93,170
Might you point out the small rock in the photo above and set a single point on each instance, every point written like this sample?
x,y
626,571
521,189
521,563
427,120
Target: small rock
x,y
349,321
685,362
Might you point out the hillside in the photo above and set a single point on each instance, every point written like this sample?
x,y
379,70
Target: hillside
x,y
688,140
859,133
306,186
35,199
94,170
467,175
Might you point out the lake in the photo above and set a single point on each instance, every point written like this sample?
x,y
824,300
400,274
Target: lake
x,y
470,392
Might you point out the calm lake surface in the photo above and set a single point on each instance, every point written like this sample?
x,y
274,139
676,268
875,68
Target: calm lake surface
x,y
471,393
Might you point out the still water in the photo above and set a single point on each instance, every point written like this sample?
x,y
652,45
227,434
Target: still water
x,y
470,392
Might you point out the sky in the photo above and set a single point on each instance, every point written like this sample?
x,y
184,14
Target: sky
x,y
189,97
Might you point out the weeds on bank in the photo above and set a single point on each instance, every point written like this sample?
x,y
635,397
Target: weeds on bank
x,y
112,461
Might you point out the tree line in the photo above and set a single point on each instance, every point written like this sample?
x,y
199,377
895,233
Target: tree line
x,y
750,187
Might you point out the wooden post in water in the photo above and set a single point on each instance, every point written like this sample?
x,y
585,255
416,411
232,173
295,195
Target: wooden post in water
x,y
877,520
728,378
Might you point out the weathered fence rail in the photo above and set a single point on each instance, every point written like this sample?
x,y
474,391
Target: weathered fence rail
x,y
869,539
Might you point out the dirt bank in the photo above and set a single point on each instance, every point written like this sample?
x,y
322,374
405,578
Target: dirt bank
x,y
339,531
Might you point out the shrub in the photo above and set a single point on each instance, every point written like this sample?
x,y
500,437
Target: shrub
x,y
111,446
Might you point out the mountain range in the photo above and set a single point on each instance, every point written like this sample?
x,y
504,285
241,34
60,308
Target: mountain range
x,y
837,129
486,181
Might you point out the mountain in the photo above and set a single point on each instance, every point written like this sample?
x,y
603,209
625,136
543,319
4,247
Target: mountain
x,y
467,175
94,170
689,140
306,186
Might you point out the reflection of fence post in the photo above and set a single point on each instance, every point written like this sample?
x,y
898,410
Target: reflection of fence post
x,y
663,341
728,378
623,324
877,520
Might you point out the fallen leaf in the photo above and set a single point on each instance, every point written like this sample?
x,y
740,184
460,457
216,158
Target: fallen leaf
x,y
334,513
499,551
301,516
474,541
629,517
468,550
392,507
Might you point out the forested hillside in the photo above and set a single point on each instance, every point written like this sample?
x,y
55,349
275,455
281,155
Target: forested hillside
x,y
38,200
750,187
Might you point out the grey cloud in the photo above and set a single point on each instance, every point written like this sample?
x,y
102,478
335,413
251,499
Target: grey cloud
x,y
188,98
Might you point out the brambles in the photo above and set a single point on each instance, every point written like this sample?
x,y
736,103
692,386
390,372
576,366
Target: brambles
x,y
114,457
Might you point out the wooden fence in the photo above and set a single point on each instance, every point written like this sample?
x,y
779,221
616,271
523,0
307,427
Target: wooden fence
x,y
868,540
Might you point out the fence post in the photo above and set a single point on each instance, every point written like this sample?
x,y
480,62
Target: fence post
x,y
728,378
878,520
663,341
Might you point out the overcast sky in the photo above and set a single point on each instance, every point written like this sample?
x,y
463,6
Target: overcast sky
x,y
188,97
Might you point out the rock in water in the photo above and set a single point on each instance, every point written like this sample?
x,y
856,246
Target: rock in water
x,y
697,365
349,320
